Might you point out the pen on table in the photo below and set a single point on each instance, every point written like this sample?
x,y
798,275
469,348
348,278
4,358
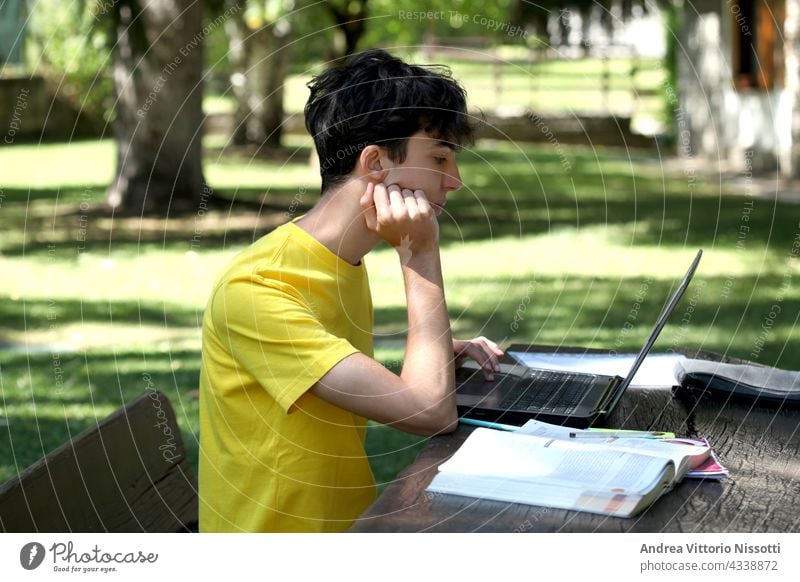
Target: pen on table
x,y
487,424
617,435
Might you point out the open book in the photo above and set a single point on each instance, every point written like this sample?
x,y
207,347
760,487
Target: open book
x,y
662,446
741,381
616,478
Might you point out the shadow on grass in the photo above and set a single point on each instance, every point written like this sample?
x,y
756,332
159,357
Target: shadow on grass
x,y
42,314
66,227
508,193
651,220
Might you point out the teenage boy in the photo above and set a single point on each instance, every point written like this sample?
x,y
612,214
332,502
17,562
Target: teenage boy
x,y
288,380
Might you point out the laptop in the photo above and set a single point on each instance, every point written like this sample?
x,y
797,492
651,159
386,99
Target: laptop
x,y
575,399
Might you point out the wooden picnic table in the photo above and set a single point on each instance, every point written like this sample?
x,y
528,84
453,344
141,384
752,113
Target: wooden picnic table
x,y
760,445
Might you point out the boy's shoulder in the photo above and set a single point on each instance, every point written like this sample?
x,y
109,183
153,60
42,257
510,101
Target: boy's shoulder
x,y
260,255
287,249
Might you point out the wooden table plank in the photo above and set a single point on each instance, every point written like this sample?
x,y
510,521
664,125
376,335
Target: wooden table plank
x,y
759,444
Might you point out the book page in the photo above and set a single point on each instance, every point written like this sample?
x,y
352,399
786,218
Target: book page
x,y
674,449
694,454
656,370
521,457
547,430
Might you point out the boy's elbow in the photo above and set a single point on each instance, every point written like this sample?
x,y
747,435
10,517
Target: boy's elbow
x,y
448,421
436,420
450,424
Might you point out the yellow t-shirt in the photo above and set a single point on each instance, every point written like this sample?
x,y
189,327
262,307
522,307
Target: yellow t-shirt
x,y
284,313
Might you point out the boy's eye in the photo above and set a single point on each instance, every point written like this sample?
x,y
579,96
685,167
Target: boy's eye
x,y
440,160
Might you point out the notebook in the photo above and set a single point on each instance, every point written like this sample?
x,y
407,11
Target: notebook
x,y
519,393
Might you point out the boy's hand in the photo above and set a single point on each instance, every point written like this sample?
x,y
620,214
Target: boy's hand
x,y
481,350
402,217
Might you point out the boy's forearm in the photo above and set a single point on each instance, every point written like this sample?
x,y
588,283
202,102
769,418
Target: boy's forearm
x,y
429,353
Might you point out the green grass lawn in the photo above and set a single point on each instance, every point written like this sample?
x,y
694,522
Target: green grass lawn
x,y
89,304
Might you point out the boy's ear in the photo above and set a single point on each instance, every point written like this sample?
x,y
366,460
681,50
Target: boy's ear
x,y
371,162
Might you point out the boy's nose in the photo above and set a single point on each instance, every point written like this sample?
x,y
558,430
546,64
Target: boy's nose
x,y
452,180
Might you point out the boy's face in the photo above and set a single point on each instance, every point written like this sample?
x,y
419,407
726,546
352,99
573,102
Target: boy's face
x,y
430,166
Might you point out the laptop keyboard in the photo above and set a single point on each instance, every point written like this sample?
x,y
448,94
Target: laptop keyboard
x,y
556,392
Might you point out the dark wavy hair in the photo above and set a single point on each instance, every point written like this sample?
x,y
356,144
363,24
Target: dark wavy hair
x,y
375,98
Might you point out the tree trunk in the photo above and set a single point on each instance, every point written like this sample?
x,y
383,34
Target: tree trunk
x,y
239,59
157,67
586,28
270,57
351,19
531,15
272,117
260,62
564,26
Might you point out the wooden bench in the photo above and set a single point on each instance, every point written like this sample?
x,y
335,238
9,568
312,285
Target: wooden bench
x,y
128,473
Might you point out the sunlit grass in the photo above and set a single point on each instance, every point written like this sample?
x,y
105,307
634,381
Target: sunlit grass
x,y
36,166
74,167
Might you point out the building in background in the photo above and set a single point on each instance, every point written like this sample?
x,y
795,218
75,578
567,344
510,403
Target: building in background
x,y
738,83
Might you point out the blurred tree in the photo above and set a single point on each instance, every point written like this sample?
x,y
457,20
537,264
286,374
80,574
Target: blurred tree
x,y
69,45
260,40
402,23
350,17
157,71
535,14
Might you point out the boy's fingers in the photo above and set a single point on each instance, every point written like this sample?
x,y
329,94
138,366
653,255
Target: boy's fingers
x,y
422,203
381,199
397,202
368,207
484,351
491,362
366,198
411,204
487,361
493,346
489,357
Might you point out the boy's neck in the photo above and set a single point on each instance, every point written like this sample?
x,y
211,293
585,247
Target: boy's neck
x,y
336,221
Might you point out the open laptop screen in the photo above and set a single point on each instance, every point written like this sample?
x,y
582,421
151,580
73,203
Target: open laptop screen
x,y
662,319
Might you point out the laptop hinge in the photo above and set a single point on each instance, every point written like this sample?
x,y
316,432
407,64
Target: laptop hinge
x,y
612,398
